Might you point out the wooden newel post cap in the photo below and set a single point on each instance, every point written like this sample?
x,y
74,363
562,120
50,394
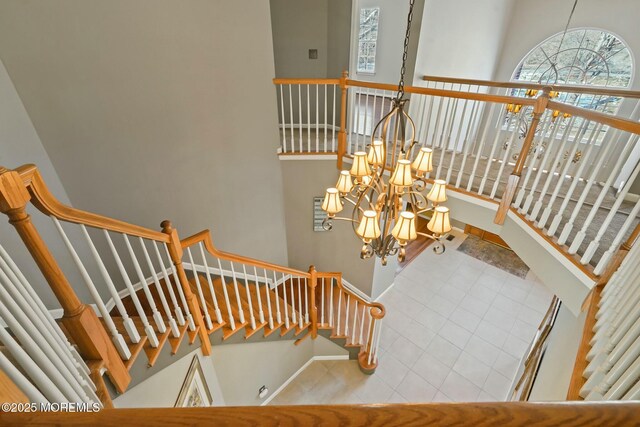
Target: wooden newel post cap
x,y
166,226
312,269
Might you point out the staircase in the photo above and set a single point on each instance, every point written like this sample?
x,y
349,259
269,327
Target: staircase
x,y
150,290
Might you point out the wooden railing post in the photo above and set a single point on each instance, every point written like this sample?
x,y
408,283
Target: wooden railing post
x,y
175,250
313,284
514,178
363,357
342,135
81,322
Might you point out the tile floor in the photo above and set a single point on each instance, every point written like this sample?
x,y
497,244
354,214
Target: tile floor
x,y
456,329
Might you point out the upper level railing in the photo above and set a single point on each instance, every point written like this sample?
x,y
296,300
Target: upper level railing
x,y
566,170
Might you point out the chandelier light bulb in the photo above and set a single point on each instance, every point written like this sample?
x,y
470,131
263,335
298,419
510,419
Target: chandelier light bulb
x,y
423,162
368,229
345,184
405,228
402,174
376,153
332,203
360,165
439,222
438,192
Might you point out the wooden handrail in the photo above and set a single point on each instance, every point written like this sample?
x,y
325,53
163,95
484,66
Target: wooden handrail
x,y
47,203
502,99
605,119
279,81
505,414
596,90
205,237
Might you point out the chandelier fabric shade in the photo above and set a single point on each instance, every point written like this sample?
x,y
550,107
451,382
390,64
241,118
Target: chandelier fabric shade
x,y
345,184
360,165
423,162
438,193
332,203
402,174
376,153
440,223
369,228
405,228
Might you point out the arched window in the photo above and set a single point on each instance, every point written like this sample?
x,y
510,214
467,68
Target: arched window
x,y
584,56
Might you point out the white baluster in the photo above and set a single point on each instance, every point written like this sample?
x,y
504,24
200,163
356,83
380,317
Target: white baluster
x,y
346,317
37,373
117,338
286,304
260,309
454,150
324,305
333,121
293,141
23,315
35,351
505,156
284,121
469,140
275,288
339,310
308,121
235,288
129,326
364,308
252,317
149,331
576,178
331,302
326,130
216,307
16,296
551,173
203,302
14,374
293,300
579,238
13,272
568,227
376,341
300,115
183,300
354,331
267,294
232,321
176,307
157,316
306,300
484,138
317,121
567,164
445,137
300,317
163,299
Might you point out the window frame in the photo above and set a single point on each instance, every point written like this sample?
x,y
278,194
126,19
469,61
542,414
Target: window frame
x,y
374,42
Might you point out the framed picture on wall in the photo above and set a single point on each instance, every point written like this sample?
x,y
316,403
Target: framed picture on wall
x,y
194,391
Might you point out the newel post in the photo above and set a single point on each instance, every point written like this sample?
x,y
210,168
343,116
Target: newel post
x,y
514,178
175,251
79,319
342,134
313,283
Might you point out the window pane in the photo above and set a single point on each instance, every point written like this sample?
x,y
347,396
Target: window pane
x,y
367,38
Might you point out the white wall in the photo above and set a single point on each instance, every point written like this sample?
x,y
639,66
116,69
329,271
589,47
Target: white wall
x,y
20,144
461,38
156,109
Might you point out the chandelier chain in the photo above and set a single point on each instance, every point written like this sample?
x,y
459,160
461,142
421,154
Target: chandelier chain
x,y
405,52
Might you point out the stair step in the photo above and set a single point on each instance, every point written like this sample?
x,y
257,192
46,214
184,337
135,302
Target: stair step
x,y
175,341
134,348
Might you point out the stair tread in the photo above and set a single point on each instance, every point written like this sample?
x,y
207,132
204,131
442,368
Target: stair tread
x,y
134,348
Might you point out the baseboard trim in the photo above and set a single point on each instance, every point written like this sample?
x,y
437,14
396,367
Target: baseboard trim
x,y
299,371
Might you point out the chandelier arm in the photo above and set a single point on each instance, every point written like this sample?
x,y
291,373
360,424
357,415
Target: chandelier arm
x,y
430,236
385,131
421,202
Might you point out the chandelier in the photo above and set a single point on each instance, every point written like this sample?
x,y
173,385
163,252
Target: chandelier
x,y
386,207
